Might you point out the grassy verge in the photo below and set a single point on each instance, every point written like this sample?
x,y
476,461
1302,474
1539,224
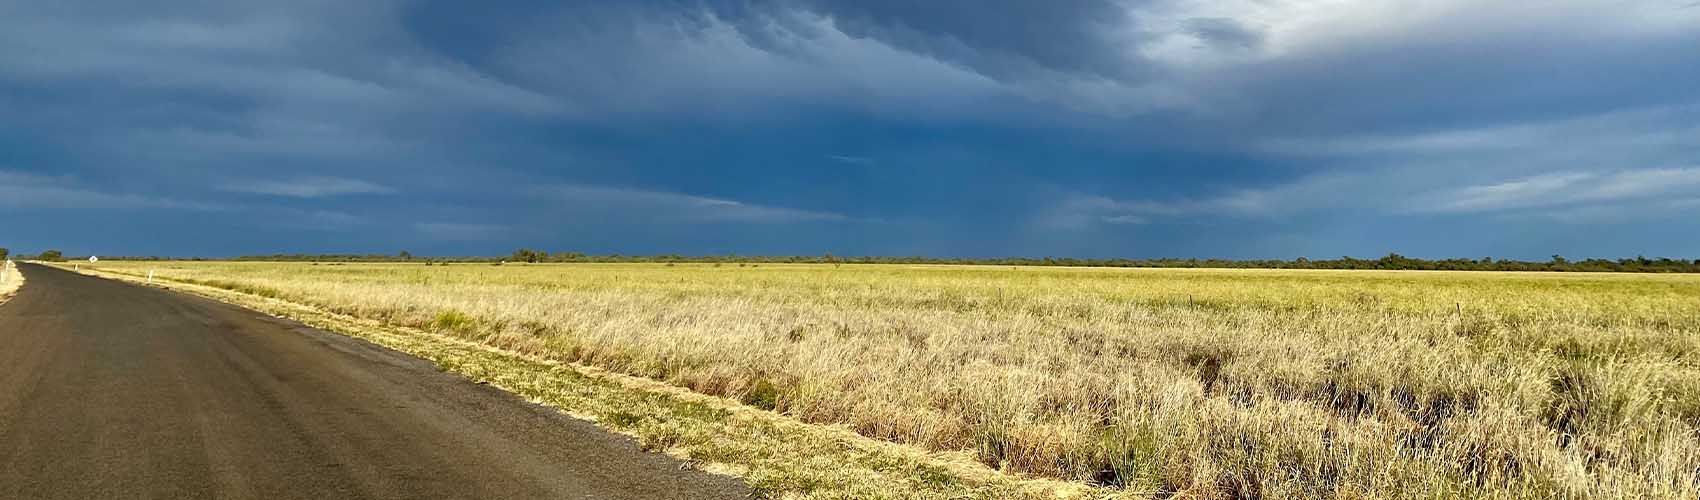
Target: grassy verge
x,y
777,455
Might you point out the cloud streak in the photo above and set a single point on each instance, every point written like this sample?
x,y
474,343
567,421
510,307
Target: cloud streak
x,y
307,187
1568,189
662,206
460,231
27,191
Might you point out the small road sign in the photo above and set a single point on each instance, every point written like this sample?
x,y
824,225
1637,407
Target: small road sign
x,y
93,259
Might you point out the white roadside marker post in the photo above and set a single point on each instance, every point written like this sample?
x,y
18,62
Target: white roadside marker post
x,y
150,276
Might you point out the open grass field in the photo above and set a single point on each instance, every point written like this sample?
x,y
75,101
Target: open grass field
x,y
1151,383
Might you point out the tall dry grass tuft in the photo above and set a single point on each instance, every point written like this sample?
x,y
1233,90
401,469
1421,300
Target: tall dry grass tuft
x,y
1223,384
10,279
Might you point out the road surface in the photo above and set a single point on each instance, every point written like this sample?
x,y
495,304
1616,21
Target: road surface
x,y
113,391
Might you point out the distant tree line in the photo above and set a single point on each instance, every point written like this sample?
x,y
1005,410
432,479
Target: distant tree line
x,y
1390,262
45,256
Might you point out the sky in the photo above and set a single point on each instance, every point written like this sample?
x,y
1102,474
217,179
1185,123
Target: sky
x,y
950,128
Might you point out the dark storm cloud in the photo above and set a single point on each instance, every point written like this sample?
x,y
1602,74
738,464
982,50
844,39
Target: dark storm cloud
x,y
1164,127
1006,39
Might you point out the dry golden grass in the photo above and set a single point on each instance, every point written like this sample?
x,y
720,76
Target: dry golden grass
x,y
780,457
1191,383
10,280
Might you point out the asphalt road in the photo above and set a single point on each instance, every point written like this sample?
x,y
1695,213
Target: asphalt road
x,y
112,391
